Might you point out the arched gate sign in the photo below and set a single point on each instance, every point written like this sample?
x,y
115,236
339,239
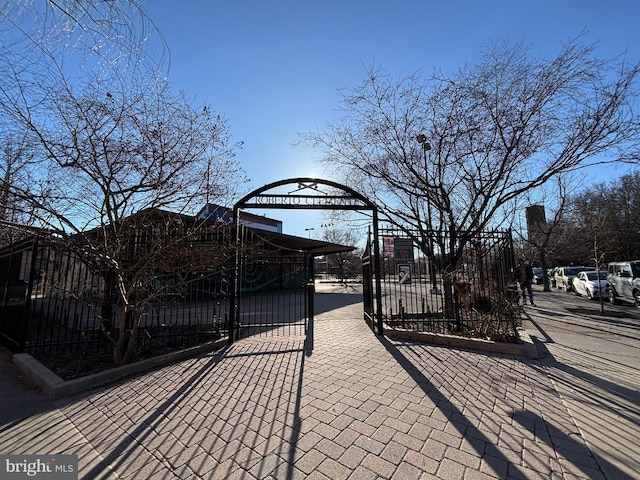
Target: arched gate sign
x,y
310,194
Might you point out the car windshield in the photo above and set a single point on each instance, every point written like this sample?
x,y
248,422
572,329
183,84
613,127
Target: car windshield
x,y
594,275
636,269
537,271
573,271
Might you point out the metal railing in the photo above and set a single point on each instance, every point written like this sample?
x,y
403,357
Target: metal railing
x,y
57,309
452,283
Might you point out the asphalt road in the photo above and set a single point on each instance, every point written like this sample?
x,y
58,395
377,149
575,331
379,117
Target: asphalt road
x,y
594,361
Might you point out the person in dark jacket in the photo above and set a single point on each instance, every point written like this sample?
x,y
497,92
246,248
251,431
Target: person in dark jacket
x,y
524,276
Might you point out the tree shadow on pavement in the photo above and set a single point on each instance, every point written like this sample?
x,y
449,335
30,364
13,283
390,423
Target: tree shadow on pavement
x,y
607,411
591,379
575,456
490,453
571,452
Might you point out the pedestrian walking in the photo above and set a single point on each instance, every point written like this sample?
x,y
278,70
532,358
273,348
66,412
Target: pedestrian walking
x,y
524,276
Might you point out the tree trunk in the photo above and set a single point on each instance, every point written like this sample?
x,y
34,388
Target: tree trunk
x,y
106,310
127,332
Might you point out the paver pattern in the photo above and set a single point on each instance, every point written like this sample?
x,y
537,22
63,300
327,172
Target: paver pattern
x,y
594,364
343,404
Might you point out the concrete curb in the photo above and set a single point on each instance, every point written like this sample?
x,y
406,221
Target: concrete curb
x,y
526,349
55,387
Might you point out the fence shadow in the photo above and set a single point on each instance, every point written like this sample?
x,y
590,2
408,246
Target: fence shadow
x,y
218,417
608,411
575,456
483,446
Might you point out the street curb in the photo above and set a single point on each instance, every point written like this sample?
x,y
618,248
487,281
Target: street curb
x,y
55,387
526,349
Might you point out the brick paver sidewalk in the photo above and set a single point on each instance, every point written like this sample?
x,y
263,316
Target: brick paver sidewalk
x,y
356,406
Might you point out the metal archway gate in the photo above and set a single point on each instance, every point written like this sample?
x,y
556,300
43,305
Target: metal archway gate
x,y
271,285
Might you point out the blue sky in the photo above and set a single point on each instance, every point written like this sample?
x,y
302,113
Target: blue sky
x,y
275,68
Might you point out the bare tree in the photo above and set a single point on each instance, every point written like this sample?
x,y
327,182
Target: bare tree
x,y
122,163
469,144
546,240
50,49
457,151
49,39
115,161
17,160
607,214
347,263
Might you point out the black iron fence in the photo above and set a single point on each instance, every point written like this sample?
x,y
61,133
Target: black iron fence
x,y
368,269
56,308
16,282
273,296
450,282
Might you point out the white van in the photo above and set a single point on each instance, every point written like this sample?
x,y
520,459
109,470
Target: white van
x,y
564,276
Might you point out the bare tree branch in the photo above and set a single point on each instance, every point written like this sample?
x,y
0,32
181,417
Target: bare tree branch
x,y
498,130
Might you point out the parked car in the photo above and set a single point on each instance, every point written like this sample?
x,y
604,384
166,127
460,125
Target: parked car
x,y
551,274
564,276
590,283
623,282
537,276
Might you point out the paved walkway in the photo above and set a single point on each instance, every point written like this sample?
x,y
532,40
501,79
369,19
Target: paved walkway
x,y
593,360
355,406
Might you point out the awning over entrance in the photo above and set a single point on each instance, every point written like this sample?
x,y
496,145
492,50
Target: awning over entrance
x,y
300,244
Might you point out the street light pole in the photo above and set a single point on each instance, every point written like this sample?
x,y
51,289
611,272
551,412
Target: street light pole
x,y
597,259
309,230
426,146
